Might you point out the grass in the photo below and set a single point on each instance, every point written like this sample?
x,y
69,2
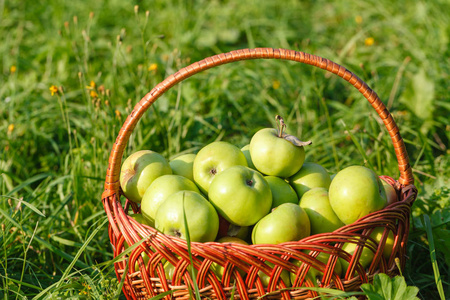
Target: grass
x,y
103,56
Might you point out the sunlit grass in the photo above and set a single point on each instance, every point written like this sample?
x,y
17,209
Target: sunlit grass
x,y
71,72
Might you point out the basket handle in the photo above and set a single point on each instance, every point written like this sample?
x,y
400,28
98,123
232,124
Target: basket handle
x,y
112,184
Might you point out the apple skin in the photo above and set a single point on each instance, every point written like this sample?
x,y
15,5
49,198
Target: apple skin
x,y
169,270
241,232
231,239
282,192
138,172
365,259
226,229
317,205
241,195
202,219
214,158
377,234
218,269
310,175
266,278
140,219
183,165
355,192
246,151
287,222
161,188
313,273
391,194
275,156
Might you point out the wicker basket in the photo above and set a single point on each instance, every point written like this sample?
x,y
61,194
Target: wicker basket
x,y
149,279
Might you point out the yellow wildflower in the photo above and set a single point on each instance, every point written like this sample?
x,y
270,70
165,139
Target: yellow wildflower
x,y
358,19
10,128
53,90
276,84
153,67
117,113
369,41
93,94
13,69
91,85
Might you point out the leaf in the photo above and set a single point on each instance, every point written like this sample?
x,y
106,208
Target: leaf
x,y
440,218
188,241
434,262
295,141
442,242
162,295
386,288
290,138
419,96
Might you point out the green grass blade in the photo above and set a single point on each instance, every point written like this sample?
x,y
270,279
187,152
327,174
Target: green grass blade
x,y
26,252
28,182
358,146
95,291
329,293
60,252
437,275
19,282
188,241
75,244
8,217
122,281
162,295
80,251
29,205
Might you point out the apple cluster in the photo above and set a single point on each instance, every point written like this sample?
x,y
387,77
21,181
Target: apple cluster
x,y
265,186
262,193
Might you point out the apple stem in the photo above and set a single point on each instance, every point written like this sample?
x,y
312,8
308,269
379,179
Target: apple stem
x,y
280,125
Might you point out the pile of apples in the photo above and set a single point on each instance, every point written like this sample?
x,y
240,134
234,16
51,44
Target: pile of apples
x,y
262,193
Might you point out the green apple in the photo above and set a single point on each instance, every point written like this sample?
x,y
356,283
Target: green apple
x,y
246,151
241,232
183,165
311,175
213,159
274,155
317,205
265,279
231,230
232,239
241,195
355,192
282,192
218,269
138,172
313,273
140,219
287,222
161,188
169,270
365,259
391,194
377,234
202,219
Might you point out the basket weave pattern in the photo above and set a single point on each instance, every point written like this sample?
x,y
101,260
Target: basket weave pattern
x,y
242,263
